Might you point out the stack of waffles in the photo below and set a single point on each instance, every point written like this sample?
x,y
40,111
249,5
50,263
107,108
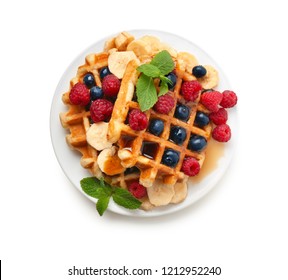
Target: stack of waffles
x,y
111,149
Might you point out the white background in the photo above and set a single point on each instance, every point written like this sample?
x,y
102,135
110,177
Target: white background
x,y
47,226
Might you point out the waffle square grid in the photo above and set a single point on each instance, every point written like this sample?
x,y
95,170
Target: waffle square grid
x,y
142,148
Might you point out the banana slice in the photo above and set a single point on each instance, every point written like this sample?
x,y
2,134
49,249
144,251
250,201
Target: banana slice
x,y
211,79
186,61
117,62
160,194
140,48
96,136
109,162
123,40
180,190
152,41
146,204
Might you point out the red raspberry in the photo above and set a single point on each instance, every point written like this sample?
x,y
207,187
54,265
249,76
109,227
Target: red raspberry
x,y
211,100
229,99
164,104
190,166
222,133
137,120
101,110
111,85
219,117
190,90
79,95
137,190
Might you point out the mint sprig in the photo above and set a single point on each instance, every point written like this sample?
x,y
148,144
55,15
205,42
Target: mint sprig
x,y
146,92
103,192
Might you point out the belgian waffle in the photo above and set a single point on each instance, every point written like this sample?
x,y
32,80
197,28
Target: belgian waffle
x,y
76,119
145,150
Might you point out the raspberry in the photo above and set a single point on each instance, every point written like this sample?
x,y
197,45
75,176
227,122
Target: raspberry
x,y
222,133
211,100
164,104
190,166
137,190
101,110
111,85
229,99
79,95
219,117
137,120
190,90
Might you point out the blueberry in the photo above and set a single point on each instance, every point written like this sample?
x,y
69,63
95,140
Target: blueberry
x,y
170,157
89,80
96,93
199,71
173,78
156,127
197,143
178,134
201,119
104,72
182,112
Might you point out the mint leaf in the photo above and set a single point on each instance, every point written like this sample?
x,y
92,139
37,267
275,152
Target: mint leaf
x,y
149,70
102,182
102,204
125,198
146,92
164,62
89,186
95,188
163,89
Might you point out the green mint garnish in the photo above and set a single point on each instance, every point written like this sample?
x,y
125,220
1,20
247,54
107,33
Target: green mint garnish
x,y
103,192
146,92
102,204
92,187
126,199
163,62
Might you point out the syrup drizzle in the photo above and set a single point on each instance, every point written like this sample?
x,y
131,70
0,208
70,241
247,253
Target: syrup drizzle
x,y
149,150
214,151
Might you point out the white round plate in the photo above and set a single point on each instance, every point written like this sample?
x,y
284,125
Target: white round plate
x,y
70,160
